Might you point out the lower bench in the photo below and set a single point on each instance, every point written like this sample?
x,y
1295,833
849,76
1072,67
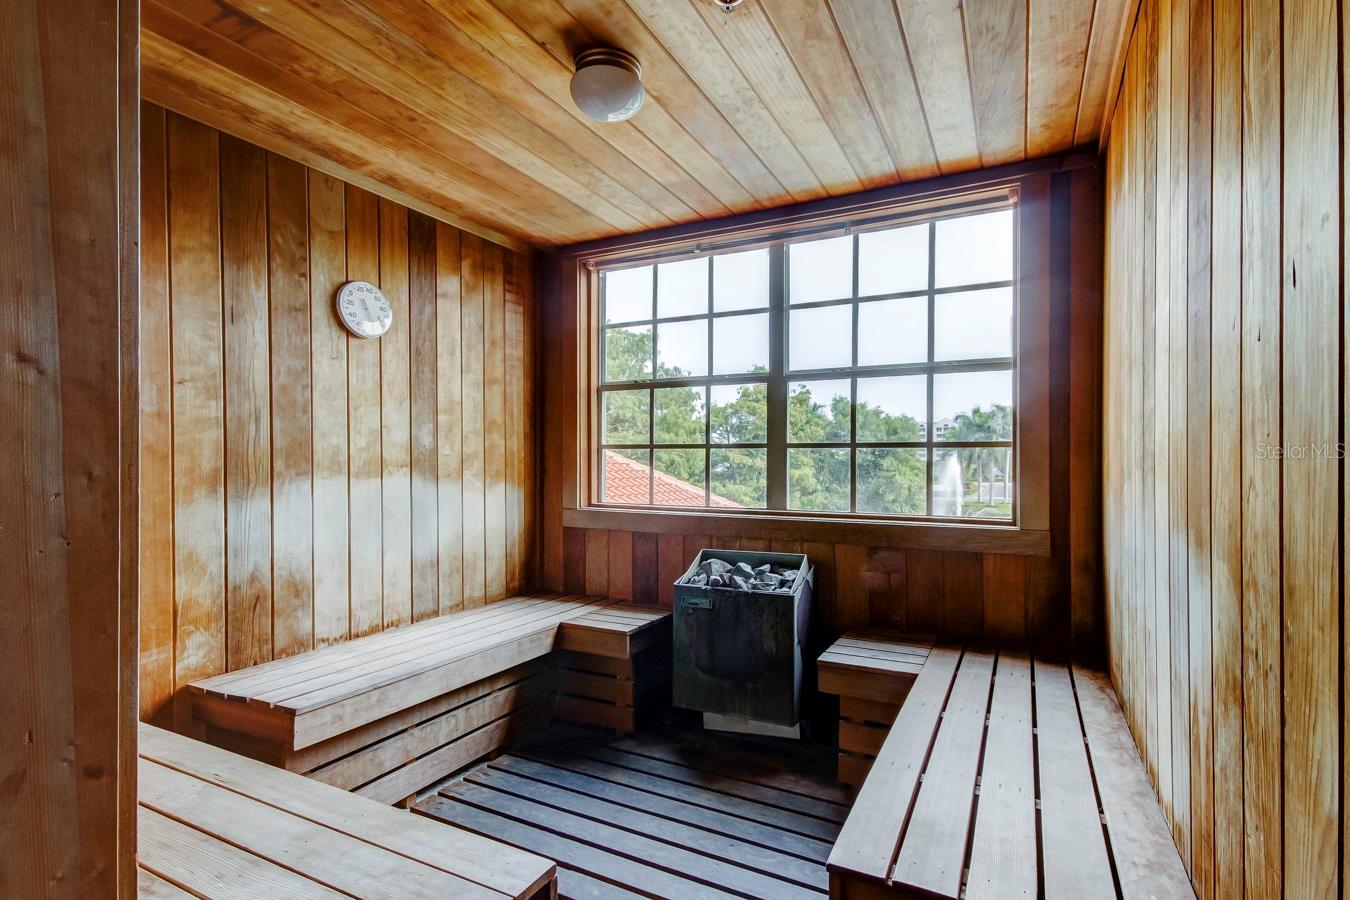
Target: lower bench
x,y
214,824
389,714
968,798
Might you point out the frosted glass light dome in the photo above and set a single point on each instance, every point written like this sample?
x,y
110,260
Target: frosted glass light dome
x,y
607,85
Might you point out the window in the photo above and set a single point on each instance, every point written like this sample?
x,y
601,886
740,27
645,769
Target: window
x,y
870,373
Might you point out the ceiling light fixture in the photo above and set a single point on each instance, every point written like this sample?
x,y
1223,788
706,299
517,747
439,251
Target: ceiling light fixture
x,y
607,85
727,6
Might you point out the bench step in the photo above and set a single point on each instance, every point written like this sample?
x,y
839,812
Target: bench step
x,y
966,799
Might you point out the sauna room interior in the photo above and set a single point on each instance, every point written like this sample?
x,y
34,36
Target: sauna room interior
x,y
674,448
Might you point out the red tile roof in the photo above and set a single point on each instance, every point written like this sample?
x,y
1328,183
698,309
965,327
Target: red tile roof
x,y
626,482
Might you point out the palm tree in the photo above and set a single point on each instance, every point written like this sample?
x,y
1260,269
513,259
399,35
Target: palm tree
x,y
993,424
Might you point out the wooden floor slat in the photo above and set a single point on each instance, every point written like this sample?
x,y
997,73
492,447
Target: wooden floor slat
x,y
639,819
573,774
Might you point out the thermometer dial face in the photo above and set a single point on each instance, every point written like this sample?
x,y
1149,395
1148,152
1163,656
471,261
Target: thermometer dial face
x,y
363,309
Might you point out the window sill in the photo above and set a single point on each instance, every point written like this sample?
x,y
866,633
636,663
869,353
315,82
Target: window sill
x,y
769,526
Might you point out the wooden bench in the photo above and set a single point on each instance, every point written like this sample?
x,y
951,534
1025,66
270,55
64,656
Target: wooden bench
x,y
612,665
214,824
988,783
388,714
871,672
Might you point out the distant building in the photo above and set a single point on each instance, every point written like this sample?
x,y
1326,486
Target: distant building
x,y
940,429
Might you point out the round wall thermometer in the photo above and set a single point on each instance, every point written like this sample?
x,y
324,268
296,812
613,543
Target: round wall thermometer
x,y
363,309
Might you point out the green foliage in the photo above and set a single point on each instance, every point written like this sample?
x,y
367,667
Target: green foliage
x,y
890,481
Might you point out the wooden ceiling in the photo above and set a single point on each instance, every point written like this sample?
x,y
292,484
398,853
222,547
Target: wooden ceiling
x,y
460,108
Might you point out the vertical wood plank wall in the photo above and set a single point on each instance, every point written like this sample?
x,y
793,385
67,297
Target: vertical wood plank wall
x,y
301,486
1225,386
1053,601
67,436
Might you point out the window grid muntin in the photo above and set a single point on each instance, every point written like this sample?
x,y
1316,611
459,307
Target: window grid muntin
x,y
779,376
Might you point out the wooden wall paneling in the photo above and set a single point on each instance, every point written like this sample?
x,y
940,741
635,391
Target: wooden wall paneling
x,y
597,562
963,594
1159,121
198,400
1084,490
1198,356
395,396
553,416
449,421
821,558
292,425
923,587
531,457
996,41
366,535
1226,444
1179,460
1053,85
471,387
423,387
574,560
1262,389
671,565
620,554
328,376
514,434
494,420
156,658
1310,414
1005,597
851,608
645,573
69,139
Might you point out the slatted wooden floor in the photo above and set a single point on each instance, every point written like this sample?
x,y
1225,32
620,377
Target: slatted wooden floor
x,y
674,812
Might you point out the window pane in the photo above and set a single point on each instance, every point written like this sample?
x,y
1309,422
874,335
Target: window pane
x,y
628,294
682,349
975,249
740,344
741,280
678,480
818,479
972,406
973,324
891,332
892,262
819,411
626,477
626,416
682,288
680,416
739,476
740,413
892,409
892,481
820,338
973,483
628,353
821,270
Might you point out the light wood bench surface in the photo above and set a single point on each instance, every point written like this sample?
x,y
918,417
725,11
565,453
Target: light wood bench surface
x,y
989,751
304,699
215,824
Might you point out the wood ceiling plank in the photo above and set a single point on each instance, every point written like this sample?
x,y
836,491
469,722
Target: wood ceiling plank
x,y
872,33
996,46
271,60
697,50
1056,34
598,165
750,40
809,32
1101,68
191,85
499,35
369,48
542,22
612,22
933,34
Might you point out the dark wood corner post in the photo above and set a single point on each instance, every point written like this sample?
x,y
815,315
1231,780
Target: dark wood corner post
x,y
69,153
